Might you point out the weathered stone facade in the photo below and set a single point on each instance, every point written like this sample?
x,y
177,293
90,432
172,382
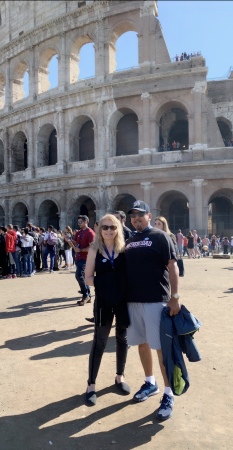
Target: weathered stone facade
x,y
93,145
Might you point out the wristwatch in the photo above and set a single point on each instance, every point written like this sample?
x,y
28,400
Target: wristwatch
x,y
176,296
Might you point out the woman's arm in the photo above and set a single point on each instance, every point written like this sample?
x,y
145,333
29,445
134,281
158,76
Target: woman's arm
x,y
90,267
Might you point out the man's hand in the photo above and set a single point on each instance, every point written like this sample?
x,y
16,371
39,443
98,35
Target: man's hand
x,y
174,306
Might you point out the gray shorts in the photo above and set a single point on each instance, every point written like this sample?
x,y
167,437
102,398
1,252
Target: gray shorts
x,y
145,324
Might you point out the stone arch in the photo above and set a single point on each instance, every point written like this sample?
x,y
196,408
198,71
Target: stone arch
x,y
123,132
220,212
119,29
47,145
82,205
81,137
48,214
20,214
19,152
43,71
225,128
172,118
76,46
123,202
19,71
1,157
174,206
2,216
2,90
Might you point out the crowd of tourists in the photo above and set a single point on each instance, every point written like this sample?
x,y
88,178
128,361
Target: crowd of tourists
x,y
195,246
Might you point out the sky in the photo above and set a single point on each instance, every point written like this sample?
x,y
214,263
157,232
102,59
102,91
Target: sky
x,y
188,26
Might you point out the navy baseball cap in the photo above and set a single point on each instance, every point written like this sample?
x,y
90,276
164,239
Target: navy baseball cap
x,y
139,205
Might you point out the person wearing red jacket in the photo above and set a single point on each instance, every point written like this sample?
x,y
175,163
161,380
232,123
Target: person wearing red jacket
x,y
11,238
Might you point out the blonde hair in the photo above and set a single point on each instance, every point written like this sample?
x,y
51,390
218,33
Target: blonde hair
x,y
69,229
119,242
165,224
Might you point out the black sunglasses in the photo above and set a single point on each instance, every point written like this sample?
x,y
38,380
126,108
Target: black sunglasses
x,y
138,213
109,227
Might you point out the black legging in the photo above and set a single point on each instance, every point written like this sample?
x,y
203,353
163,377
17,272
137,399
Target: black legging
x,y
99,343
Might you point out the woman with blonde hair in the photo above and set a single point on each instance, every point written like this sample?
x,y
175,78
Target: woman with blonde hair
x,y
106,270
161,223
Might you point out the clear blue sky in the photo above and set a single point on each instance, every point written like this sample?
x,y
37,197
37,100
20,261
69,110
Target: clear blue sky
x,y
188,26
205,26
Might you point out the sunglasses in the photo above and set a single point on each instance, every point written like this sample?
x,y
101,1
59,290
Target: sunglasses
x,y
109,227
138,213
80,221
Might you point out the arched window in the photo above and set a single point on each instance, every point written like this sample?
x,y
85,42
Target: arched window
x,y
48,71
87,61
127,135
19,152
86,142
47,146
124,59
26,84
53,72
20,84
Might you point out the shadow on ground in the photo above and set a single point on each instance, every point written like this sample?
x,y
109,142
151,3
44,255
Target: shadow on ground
x,y
37,307
30,432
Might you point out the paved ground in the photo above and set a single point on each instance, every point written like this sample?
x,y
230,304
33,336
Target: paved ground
x,y
45,343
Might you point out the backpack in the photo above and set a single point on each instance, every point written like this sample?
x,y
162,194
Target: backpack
x,y
52,239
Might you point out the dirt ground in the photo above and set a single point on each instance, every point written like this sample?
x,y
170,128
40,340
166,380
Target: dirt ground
x,y
45,342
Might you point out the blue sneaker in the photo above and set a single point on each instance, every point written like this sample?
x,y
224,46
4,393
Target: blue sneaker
x,y
147,390
165,410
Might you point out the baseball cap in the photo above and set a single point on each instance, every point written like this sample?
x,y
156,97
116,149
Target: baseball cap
x,y
139,205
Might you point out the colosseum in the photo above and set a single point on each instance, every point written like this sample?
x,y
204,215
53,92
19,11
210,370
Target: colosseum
x,y
96,144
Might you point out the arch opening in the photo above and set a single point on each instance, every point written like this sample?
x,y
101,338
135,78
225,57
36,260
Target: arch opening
x,y
48,70
83,205
47,146
82,59
220,213
82,145
123,202
48,214
173,129
126,60
225,129
174,206
127,135
20,215
19,152
20,83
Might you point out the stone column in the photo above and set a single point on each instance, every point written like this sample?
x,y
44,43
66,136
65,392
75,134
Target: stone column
x,y
146,39
7,211
100,60
198,205
63,214
6,154
8,87
145,97
99,138
31,150
31,210
33,91
61,165
198,91
62,69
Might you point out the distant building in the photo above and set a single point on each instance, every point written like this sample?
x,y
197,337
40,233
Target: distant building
x,y
91,145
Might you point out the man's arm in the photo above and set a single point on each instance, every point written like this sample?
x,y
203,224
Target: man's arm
x,y
173,303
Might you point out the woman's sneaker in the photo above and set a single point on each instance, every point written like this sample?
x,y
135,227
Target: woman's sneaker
x,y
147,390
